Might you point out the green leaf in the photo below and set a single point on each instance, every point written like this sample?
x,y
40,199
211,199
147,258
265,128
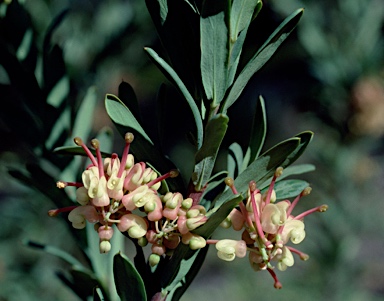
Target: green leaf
x,y
259,130
206,157
188,270
262,169
121,115
296,170
142,147
289,188
175,79
178,29
235,160
84,282
217,215
214,50
129,284
128,96
258,8
56,252
261,57
241,13
98,294
183,253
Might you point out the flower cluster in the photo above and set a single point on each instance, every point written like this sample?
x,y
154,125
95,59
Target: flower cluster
x,y
125,194
267,228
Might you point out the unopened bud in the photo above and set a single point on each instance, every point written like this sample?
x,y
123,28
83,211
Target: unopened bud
x,y
153,259
306,191
105,246
129,137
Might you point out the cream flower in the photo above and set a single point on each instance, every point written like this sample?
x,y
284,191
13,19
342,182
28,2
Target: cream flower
x,y
80,214
228,249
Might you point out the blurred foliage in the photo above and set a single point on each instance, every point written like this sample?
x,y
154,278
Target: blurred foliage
x,y
339,94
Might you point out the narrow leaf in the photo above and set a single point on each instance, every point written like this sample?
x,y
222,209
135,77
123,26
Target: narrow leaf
x,y
129,284
214,50
262,56
120,114
259,129
206,157
261,169
128,96
175,79
289,188
240,18
142,147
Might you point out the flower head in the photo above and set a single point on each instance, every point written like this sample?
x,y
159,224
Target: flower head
x,y
123,193
267,227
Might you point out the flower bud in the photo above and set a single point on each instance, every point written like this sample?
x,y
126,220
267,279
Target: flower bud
x,y
153,259
105,246
158,249
142,241
237,219
172,241
187,203
105,232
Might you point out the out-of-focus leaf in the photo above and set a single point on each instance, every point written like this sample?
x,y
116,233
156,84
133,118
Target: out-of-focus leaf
x,y
214,49
53,62
59,92
206,157
56,252
25,45
175,79
261,57
98,294
83,283
129,284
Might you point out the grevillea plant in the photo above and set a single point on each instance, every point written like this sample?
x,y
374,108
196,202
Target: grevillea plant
x,y
141,192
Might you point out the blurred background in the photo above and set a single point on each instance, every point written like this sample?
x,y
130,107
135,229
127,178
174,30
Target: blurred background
x,y
327,77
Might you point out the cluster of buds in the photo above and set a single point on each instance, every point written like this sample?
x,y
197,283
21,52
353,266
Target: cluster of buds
x,y
267,226
125,194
